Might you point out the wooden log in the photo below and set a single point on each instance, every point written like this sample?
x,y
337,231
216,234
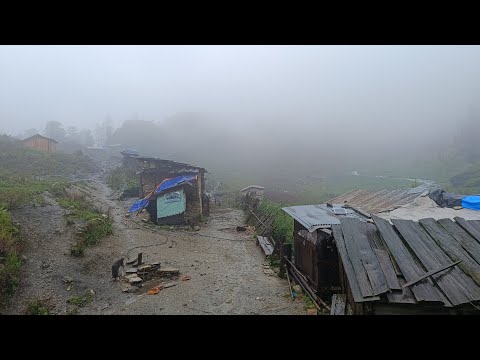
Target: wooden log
x,y
285,253
289,283
430,273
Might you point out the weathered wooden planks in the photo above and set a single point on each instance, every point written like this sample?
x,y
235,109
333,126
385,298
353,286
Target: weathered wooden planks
x,y
456,285
265,245
424,290
365,263
405,296
463,237
348,267
470,226
338,304
452,248
387,268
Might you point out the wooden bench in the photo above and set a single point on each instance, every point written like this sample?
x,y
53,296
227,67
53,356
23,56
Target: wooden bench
x,y
266,246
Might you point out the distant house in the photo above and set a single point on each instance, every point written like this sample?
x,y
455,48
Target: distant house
x,y
41,143
255,190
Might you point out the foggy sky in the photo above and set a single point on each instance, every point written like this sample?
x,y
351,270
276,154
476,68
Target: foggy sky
x,y
337,92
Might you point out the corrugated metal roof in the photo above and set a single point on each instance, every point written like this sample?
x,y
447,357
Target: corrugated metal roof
x,y
379,201
314,217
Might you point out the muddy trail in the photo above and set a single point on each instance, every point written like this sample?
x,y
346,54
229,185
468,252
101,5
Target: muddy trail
x,y
226,268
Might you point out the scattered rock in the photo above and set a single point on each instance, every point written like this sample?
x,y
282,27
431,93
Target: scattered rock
x,y
131,271
311,311
229,301
130,289
24,258
269,272
131,276
105,216
67,280
170,246
168,271
241,228
258,298
127,215
185,277
266,266
196,228
457,208
135,280
92,292
144,268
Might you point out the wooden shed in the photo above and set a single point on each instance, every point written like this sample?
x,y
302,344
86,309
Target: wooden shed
x,y
41,143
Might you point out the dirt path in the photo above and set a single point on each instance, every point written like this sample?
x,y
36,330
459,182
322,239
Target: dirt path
x,y
225,266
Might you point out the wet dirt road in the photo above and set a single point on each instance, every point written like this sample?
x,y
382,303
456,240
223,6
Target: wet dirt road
x,y
225,266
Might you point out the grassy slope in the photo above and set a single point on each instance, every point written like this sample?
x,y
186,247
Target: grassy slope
x,y
24,175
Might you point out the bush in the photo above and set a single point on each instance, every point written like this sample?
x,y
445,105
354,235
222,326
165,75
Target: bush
x,y
37,307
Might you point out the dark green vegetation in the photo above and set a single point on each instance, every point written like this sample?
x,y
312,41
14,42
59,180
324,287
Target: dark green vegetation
x,y
282,223
81,301
96,224
37,307
10,261
120,179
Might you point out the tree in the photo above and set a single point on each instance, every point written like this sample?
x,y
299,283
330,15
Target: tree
x,y
86,138
72,133
55,130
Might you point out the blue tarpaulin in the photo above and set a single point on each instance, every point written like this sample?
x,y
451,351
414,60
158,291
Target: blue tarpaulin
x,y
164,185
471,202
138,205
167,184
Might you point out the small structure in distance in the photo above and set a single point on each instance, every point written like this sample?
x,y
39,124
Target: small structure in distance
x,y
253,190
41,143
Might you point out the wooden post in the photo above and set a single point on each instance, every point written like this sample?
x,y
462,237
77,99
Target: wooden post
x,y
285,252
139,259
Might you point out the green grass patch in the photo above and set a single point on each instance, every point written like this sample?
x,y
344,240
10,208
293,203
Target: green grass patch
x,y
122,179
81,301
96,224
10,261
282,224
37,307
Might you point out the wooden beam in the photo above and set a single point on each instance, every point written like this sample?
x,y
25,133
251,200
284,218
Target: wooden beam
x,y
338,304
430,273
289,283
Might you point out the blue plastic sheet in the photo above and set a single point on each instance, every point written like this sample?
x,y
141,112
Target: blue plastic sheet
x,y
164,185
167,184
138,205
471,202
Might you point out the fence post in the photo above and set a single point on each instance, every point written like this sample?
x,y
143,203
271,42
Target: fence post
x,y
285,252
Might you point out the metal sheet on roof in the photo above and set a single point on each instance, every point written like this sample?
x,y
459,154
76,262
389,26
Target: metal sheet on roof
x,y
379,201
317,216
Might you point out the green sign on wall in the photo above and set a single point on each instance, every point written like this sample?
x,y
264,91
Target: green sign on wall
x,y
172,203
